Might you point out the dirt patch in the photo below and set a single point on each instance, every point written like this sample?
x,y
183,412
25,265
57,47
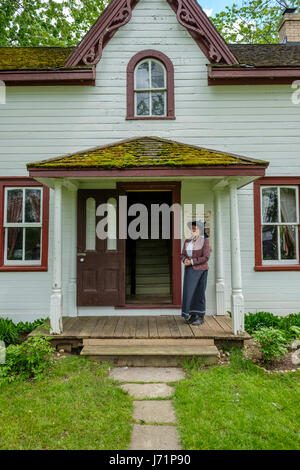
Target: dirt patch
x,y
285,364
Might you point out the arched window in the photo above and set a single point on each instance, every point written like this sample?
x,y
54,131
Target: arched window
x,y
150,86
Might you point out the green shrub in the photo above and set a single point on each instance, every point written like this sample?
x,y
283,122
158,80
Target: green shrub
x,y
30,359
272,343
255,321
286,324
8,331
295,332
11,332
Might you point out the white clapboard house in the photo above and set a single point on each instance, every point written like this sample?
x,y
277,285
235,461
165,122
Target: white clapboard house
x,y
154,105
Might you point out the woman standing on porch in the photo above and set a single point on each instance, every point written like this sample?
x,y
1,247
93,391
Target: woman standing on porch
x,y
195,256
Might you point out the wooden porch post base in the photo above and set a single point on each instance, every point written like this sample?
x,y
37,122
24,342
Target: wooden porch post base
x,y
237,311
220,297
56,325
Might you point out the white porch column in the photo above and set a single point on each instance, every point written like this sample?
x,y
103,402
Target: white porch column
x,y
56,296
237,299
72,287
219,255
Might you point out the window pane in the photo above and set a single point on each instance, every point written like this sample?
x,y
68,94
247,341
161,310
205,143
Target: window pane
x,y
14,205
142,104
111,224
32,243
142,76
157,75
288,242
32,205
269,242
14,243
90,234
269,205
288,206
158,103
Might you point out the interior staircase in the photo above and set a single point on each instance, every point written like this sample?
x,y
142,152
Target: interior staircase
x,y
148,276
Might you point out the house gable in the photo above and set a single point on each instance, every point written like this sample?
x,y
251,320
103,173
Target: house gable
x,y
229,64
119,12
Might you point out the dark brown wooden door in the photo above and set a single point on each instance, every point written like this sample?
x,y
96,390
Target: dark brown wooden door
x,y
100,271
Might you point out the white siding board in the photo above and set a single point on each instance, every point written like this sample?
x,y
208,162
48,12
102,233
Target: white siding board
x,y
255,121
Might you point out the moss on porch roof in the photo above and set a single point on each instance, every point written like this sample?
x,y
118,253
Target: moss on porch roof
x,y
145,152
34,58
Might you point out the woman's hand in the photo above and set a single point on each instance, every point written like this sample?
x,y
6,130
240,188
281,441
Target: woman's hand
x,y
187,262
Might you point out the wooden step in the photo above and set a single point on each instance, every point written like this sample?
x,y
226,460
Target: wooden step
x,y
153,279
152,269
149,299
153,260
153,289
148,251
149,353
152,243
148,342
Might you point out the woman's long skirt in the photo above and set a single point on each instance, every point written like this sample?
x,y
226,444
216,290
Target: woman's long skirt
x,y
194,285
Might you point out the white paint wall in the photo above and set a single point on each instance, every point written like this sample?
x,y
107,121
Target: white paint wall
x,y
255,121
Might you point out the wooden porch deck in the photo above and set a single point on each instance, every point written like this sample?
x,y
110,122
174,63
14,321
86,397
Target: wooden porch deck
x,y
77,329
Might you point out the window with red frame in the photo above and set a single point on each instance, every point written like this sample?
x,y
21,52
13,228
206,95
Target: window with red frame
x,y
277,224
24,225
150,86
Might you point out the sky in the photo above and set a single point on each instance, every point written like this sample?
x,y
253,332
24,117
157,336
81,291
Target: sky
x,y
212,7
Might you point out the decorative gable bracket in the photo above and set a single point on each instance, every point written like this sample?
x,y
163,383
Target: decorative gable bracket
x,y
89,51
119,12
190,15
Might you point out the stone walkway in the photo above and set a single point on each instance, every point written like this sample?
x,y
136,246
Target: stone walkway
x,y
155,419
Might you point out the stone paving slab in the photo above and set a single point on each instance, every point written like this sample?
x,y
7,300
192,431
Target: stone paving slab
x,y
147,437
160,411
147,374
148,390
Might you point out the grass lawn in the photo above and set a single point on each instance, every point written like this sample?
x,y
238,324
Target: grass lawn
x,y
238,407
76,407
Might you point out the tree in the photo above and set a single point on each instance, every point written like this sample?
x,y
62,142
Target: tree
x,y
255,22
47,22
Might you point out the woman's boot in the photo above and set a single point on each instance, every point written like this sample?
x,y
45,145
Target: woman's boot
x,y
199,320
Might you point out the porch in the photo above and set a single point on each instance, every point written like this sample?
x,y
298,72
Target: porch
x,y
145,340
92,279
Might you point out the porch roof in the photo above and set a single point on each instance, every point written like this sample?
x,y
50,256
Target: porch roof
x,y
146,152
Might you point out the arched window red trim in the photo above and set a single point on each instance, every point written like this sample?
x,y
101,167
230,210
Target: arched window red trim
x,y
148,54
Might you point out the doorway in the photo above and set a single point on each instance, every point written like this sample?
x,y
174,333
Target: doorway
x,y
122,272
148,260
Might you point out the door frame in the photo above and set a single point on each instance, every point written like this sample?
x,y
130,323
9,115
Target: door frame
x,y
175,188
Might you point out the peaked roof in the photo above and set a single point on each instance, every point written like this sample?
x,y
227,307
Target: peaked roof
x,y
119,12
230,64
145,152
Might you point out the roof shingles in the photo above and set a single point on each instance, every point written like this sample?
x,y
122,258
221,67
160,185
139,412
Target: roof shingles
x,y
145,152
34,58
267,55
